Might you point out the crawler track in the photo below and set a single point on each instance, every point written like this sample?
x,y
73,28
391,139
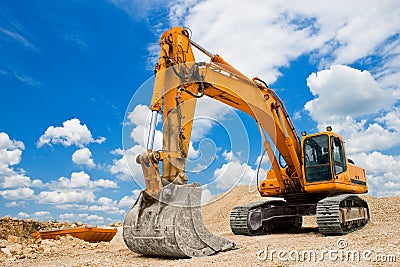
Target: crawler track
x,y
238,218
329,214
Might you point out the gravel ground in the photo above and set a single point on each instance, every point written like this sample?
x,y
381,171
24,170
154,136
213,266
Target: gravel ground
x,y
376,244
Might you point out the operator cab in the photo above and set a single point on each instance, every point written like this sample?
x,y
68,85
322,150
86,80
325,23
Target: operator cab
x,y
326,167
323,156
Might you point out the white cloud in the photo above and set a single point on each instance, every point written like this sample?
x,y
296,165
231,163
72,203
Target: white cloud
x,y
10,155
71,133
18,193
105,183
386,184
91,218
391,120
83,156
67,216
10,151
106,205
17,180
42,214
206,195
12,204
128,201
140,115
193,153
106,201
23,215
208,112
140,133
119,166
10,175
334,31
370,138
125,167
381,170
78,188
66,196
77,180
344,97
71,206
81,180
234,172
345,91
84,217
377,162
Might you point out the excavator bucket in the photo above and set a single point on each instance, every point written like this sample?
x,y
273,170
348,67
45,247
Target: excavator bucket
x,y
172,225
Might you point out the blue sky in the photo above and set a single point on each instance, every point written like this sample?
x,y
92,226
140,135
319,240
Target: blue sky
x,y
71,70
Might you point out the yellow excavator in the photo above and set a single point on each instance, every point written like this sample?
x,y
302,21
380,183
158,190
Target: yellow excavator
x,y
316,177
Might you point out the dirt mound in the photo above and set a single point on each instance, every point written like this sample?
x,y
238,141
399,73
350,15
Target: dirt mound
x,y
216,212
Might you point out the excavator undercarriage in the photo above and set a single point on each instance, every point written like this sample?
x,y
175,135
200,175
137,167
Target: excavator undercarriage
x,y
335,215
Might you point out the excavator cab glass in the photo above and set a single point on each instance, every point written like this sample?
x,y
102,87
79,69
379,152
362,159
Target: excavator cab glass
x,y
338,156
316,159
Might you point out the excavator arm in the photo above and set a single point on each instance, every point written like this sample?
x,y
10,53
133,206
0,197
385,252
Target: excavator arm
x,y
180,81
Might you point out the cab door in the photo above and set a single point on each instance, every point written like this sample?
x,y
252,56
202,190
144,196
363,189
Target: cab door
x,y
317,159
339,162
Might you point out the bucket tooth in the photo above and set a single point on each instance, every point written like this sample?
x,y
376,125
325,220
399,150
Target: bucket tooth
x,y
171,226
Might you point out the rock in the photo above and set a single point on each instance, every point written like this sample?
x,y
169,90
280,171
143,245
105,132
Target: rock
x,y
47,250
20,256
47,242
116,224
3,243
14,248
6,251
13,239
38,240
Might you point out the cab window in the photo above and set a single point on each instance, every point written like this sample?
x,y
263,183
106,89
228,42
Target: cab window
x,y
316,159
338,158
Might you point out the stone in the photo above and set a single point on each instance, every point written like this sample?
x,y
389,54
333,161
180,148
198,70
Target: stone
x,y
13,239
14,248
6,251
